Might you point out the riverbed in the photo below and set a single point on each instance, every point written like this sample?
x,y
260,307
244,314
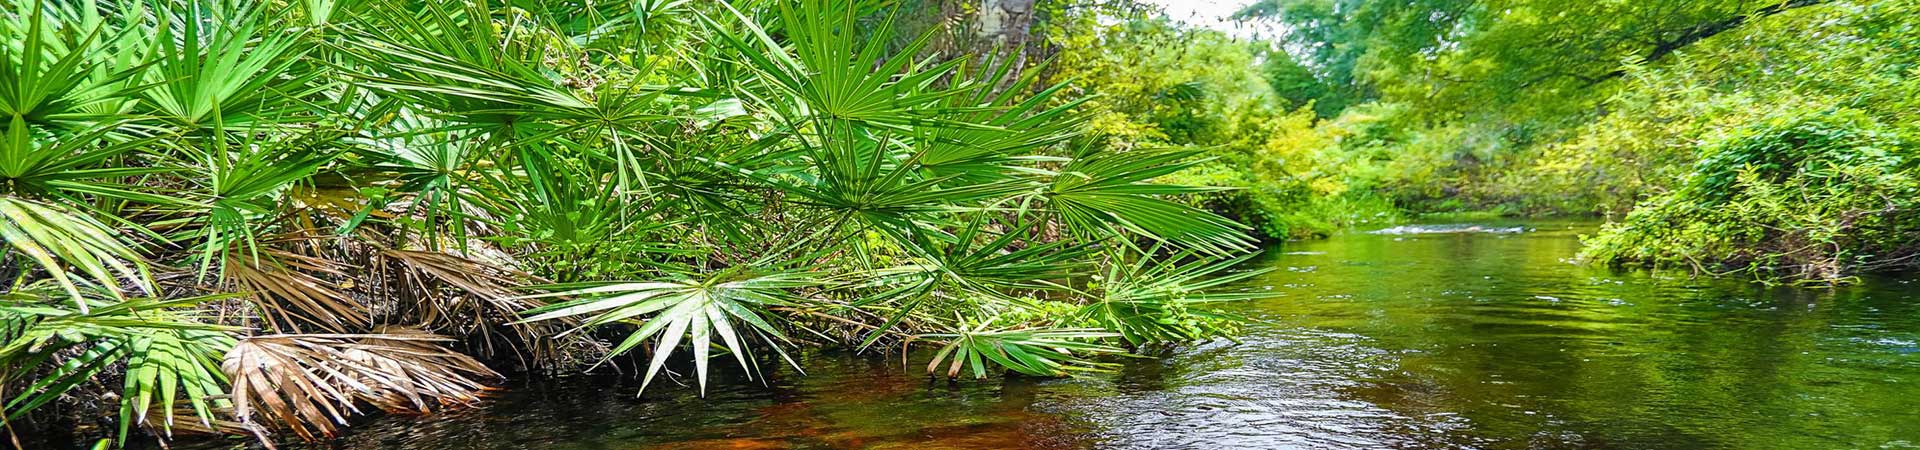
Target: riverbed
x,y
1464,336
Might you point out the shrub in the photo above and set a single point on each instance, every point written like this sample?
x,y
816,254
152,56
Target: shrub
x,y
1818,198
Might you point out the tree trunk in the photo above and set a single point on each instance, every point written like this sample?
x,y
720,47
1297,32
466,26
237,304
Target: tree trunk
x,y
1007,25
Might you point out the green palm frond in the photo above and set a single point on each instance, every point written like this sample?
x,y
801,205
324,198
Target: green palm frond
x,y
838,76
686,310
59,240
873,178
69,166
1021,124
1109,194
246,180
430,164
169,357
1036,352
974,262
57,72
1168,299
579,228
168,365
485,68
636,25
220,68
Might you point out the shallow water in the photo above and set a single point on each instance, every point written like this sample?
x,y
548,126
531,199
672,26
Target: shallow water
x,y
1420,340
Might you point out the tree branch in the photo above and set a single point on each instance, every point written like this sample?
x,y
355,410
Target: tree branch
x,y
1697,33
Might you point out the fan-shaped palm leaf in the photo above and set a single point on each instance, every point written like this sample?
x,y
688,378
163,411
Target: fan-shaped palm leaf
x,y
684,310
245,180
310,383
975,262
838,75
1164,299
469,297
169,356
70,165
1021,125
61,75
220,68
59,240
1037,352
1109,194
287,290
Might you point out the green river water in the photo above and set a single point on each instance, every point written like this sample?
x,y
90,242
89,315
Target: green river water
x,y
1478,338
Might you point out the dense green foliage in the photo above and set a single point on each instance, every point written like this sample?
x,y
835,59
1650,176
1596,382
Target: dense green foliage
x,y
1160,84
1548,106
1371,109
265,217
1819,197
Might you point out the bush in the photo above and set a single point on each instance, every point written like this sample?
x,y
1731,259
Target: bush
x,y
1819,197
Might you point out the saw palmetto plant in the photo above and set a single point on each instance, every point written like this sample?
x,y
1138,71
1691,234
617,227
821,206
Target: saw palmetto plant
x,y
265,217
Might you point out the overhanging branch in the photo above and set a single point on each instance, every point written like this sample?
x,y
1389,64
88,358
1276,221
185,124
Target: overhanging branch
x,y
1697,33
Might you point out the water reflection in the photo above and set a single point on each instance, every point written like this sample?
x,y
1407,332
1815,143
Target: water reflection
x,y
1410,340
1529,351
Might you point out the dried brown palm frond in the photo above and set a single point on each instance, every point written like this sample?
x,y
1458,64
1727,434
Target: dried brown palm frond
x,y
288,291
468,297
475,277
310,383
431,375
186,423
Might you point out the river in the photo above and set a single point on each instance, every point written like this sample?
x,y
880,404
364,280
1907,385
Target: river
x,y
1470,337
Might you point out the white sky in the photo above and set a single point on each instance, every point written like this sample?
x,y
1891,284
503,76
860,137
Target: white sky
x,y
1199,9
1208,13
